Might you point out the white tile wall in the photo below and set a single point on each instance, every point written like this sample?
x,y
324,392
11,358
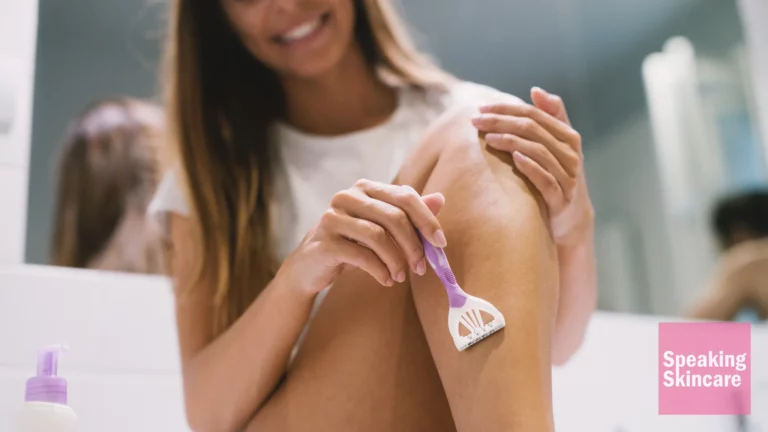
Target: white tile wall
x,y
123,364
18,29
13,211
16,83
18,35
122,367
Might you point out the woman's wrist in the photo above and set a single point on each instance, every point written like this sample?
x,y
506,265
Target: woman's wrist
x,y
581,238
289,278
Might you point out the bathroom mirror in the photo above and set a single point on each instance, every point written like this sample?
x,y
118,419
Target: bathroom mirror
x,y
660,91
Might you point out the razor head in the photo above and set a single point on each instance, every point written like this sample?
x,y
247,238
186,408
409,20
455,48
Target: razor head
x,y
470,318
464,342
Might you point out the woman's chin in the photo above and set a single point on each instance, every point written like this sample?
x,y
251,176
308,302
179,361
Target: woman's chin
x,y
311,69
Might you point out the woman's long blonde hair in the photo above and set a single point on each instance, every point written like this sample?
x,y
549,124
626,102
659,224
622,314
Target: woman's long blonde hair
x,y
107,175
221,101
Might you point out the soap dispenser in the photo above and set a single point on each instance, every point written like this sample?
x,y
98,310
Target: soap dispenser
x,y
45,408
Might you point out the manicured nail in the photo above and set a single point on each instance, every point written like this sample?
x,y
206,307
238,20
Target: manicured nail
x,y
390,282
400,276
478,119
493,137
440,240
421,267
519,156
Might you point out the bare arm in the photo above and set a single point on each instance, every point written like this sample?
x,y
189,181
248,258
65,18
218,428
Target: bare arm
x,y
578,298
721,303
227,379
738,281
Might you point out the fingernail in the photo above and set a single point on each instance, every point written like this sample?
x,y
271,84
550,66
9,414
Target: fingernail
x,y
390,282
421,267
519,155
493,137
400,276
440,240
478,119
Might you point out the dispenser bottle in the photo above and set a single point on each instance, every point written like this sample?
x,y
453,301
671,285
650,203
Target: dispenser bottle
x,y
45,408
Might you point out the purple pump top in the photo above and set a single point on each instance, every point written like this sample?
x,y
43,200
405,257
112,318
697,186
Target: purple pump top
x,y
47,386
439,263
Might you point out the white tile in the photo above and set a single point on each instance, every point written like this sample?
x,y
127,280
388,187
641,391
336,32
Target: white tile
x,y
18,28
110,321
13,211
16,95
123,368
18,38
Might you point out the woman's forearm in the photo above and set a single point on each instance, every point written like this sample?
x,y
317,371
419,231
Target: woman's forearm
x,y
578,298
230,379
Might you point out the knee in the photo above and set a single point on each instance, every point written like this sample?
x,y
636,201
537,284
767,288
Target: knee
x,y
453,132
452,139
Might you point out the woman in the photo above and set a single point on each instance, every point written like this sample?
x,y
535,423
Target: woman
x,y
738,289
107,177
280,107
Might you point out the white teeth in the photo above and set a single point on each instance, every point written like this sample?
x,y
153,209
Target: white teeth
x,y
301,31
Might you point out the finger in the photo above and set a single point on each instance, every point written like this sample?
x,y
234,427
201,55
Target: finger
x,y
393,219
558,129
371,235
536,151
524,125
408,200
434,202
347,252
551,104
544,182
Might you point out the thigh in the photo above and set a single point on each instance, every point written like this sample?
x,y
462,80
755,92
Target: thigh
x,y
364,365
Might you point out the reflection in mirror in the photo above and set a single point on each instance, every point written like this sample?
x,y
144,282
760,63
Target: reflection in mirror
x,y
87,51
108,173
661,94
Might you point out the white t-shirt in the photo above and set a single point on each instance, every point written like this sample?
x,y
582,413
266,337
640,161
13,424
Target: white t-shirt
x,y
311,169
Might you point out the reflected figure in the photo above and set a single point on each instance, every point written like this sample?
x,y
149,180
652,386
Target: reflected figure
x,y
740,286
740,218
107,176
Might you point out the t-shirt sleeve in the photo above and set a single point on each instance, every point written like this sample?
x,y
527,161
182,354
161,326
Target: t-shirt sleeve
x,y
169,198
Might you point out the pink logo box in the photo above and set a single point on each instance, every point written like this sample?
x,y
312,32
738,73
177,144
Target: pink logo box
x,y
704,368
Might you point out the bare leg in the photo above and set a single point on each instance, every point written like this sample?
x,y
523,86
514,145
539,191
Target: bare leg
x,y
500,250
366,363
364,366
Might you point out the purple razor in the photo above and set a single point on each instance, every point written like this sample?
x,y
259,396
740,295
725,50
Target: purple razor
x,y
465,310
